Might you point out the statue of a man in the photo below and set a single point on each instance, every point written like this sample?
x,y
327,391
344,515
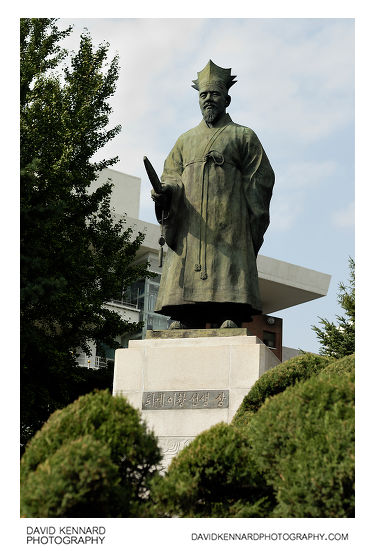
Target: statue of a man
x,y
217,186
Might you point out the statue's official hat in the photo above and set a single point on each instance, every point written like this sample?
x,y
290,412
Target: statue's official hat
x,y
213,74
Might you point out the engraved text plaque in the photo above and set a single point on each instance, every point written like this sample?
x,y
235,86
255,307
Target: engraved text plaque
x,y
186,399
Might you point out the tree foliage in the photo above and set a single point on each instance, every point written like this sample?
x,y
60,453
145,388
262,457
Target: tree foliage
x,y
74,255
338,339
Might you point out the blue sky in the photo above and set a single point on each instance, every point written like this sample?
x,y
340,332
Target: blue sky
x,y
295,89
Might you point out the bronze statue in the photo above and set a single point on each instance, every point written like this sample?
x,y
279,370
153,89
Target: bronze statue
x,y
216,189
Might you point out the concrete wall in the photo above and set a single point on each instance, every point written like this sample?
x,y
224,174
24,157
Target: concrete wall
x,y
125,192
289,353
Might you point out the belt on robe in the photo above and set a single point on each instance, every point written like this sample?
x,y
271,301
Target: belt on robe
x,y
218,160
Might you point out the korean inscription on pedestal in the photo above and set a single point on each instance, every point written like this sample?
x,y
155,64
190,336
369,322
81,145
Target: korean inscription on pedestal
x,y
186,399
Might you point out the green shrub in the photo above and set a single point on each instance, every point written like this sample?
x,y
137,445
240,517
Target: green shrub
x,y
303,442
79,479
113,423
343,365
214,476
276,380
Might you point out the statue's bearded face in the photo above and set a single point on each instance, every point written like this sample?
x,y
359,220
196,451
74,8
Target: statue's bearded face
x,y
213,102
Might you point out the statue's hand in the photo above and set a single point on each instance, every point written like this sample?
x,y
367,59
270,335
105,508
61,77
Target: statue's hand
x,y
163,200
160,199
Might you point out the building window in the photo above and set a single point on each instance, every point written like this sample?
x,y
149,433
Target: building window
x,y
135,294
269,339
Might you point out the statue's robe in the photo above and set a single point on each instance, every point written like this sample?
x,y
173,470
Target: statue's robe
x,y
214,225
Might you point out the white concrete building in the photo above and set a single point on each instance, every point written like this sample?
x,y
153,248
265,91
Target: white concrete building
x,y
282,285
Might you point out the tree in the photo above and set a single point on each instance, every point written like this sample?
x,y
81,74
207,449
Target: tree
x,y
74,255
338,340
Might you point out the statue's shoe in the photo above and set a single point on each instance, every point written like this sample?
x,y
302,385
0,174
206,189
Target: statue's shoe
x,y
227,324
176,325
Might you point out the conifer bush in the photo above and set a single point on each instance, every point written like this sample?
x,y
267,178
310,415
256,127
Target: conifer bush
x,y
346,364
214,476
276,380
338,338
303,442
79,479
129,452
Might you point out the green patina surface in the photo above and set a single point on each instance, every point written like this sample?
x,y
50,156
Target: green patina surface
x,y
217,185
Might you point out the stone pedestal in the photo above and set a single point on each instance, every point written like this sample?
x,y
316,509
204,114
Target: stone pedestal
x,y
185,381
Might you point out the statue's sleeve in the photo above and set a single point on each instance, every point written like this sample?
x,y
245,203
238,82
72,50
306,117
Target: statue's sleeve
x,y
171,178
258,179
173,166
